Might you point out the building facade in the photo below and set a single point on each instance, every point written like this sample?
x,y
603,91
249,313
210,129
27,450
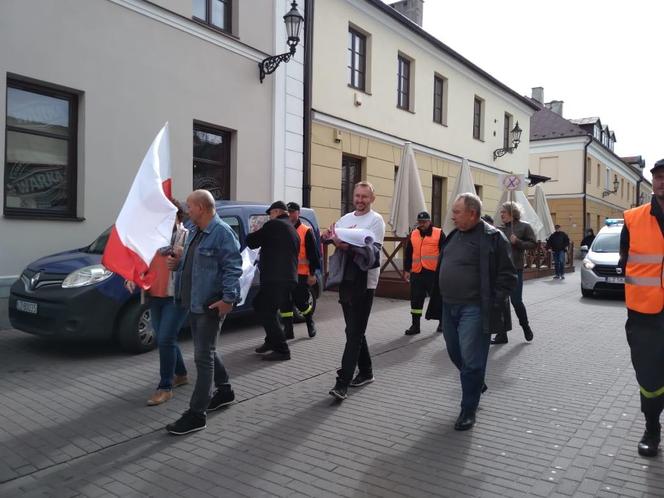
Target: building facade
x,y
588,182
98,79
380,80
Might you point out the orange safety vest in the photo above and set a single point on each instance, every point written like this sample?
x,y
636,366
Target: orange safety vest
x,y
302,261
644,274
425,250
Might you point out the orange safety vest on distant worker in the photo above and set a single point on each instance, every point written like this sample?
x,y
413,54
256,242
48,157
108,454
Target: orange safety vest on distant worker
x,y
302,261
644,274
425,250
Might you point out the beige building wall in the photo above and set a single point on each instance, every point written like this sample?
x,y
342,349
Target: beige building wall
x,y
379,159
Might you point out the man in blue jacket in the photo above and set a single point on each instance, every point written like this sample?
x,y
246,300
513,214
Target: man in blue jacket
x,y
207,282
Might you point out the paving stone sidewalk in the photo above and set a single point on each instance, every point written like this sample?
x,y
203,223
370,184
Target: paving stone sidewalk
x,y
561,417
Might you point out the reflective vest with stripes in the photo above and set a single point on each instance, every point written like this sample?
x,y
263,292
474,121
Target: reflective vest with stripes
x,y
425,250
302,261
644,274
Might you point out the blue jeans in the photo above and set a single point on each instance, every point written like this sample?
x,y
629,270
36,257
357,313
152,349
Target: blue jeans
x,y
167,319
205,328
468,347
559,262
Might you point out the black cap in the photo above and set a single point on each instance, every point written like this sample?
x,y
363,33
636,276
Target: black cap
x,y
423,216
658,164
276,205
293,206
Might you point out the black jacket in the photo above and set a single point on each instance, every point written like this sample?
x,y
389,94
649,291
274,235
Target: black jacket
x,y
280,245
558,241
497,280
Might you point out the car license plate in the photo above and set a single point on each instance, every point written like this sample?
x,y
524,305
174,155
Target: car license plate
x,y
615,280
26,306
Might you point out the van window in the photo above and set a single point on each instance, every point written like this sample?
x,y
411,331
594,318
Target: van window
x,y
256,221
606,242
234,223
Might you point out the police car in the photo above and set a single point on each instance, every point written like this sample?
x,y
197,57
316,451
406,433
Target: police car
x,y
599,270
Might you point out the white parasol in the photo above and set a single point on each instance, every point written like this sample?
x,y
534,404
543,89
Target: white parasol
x,y
464,183
408,198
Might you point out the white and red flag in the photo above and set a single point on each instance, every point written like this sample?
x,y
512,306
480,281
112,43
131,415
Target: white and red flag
x,y
145,222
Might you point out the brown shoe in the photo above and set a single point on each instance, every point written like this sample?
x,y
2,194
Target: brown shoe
x,y
180,380
160,396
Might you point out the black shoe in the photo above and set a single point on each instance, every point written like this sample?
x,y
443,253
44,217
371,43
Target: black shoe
x,y
311,328
499,339
485,388
361,380
339,392
188,422
222,397
276,356
649,444
264,348
439,328
465,421
412,330
527,333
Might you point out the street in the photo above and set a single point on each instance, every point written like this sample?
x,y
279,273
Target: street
x,y
561,416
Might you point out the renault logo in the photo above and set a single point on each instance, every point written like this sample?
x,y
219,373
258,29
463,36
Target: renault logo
x,y
618,270
34,280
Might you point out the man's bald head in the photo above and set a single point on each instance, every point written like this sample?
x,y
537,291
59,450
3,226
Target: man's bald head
x,y
200,204
203,198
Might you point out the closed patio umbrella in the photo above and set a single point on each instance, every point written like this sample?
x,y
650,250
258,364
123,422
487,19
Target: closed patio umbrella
x,y
464,183
408,198
541,207
529,215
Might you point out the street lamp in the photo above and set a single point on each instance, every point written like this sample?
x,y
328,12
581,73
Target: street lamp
x,y
616,184
293,21
516,140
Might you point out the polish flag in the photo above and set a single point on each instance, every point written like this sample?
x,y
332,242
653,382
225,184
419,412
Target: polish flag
x,y
146,220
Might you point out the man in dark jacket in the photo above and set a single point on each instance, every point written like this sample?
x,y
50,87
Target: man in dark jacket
x,y
558,242
279,245
521,237
475,276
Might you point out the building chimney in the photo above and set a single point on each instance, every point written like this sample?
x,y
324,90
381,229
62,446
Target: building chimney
x,y
555,106
412,9
538,94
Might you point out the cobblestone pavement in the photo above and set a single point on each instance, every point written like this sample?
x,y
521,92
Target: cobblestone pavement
x,y
561,416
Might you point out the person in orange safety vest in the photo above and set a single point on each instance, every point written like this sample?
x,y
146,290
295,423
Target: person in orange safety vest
x,y
642,262
422,251
307,264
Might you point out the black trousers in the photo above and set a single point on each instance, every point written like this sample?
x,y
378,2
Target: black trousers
x,y
645,336
299,298
357,309
421,285
266,303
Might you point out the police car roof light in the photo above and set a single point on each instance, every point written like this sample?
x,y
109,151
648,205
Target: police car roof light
x,y
610,222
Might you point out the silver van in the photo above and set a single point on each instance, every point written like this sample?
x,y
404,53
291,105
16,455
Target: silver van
x,y
599,270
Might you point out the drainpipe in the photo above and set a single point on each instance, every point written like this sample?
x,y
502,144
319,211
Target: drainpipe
x,y
306,135
585,181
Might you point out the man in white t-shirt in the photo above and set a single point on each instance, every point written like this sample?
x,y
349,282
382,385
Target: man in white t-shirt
x,y
356,292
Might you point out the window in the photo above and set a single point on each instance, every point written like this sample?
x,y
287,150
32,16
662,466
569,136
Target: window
x,y
212,160
478,108
622,188
40,151
440,100
234,223
216,13
403,83
478,191
588,169
351,173
607,183
438,195
357,59
256,222
507,131
599,174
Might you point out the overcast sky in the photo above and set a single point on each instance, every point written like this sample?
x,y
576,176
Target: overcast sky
x,y
601,57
